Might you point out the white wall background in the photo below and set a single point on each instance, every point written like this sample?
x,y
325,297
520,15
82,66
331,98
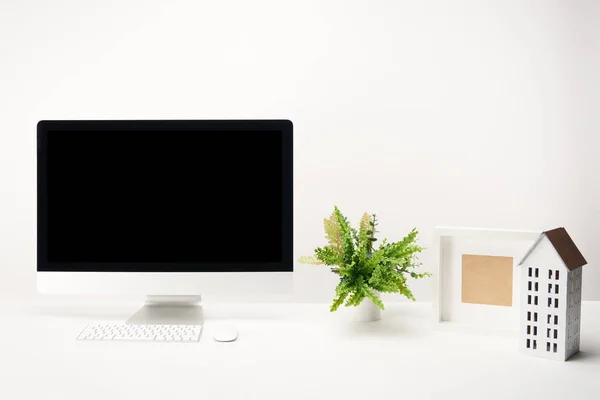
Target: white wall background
x,y
481,113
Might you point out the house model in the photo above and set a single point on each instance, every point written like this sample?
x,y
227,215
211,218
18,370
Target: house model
x,y
551,297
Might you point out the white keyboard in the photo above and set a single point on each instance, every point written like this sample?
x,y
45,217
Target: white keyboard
x,y
145,333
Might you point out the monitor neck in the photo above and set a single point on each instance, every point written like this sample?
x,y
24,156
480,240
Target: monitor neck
x,y
172,300
169,310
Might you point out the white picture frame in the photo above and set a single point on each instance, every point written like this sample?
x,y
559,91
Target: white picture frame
x,y
449,312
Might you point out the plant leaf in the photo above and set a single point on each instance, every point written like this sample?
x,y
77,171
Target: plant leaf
x,y
310,260
373,297
342,291
346,234
332,233
365,225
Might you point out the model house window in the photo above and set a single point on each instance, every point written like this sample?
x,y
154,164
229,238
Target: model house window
x,y
554,347
556,274
549,316
555,303
536,286
549,288
549,302
530,275
556,334
535,331
528,315
555,289
534,317
556,320
537,272
550,274
528,299
529,285
534,344
547,346
528,343
535,300
529,329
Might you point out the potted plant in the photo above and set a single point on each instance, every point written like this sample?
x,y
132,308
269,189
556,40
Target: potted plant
x,y
366,271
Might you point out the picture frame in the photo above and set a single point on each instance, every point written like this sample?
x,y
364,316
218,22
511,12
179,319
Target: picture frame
x,y
450,245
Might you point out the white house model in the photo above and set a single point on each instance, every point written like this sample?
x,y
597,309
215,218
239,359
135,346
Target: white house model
x,y
551,297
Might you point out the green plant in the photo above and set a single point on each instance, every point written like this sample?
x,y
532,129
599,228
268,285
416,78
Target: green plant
x,y
364,270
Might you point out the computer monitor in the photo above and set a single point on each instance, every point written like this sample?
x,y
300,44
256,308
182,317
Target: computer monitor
x,y
170,209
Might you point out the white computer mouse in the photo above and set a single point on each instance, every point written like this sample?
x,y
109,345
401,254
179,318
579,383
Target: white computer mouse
x,y
224,333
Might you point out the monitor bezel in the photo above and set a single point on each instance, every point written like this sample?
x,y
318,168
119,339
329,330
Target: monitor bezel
x,y
284,126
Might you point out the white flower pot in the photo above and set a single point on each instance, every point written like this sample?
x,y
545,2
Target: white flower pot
x,y
367,311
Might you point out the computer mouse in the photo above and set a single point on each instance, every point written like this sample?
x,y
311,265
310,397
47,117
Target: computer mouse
x,y
224,333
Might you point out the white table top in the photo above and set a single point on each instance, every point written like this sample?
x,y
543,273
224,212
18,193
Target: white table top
x,y
284,351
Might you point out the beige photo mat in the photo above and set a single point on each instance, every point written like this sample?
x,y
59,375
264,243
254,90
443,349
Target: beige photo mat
x,y
487,280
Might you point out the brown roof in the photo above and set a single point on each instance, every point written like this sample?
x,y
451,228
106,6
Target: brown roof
x,y
565,247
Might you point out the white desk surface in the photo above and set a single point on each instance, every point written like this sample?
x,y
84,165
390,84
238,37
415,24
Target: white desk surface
x,y
284,351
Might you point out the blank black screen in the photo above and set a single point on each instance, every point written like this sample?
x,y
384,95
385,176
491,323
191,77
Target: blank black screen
x,y
164,197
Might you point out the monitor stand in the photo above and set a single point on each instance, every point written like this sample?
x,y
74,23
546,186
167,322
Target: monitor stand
x,y
169,310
